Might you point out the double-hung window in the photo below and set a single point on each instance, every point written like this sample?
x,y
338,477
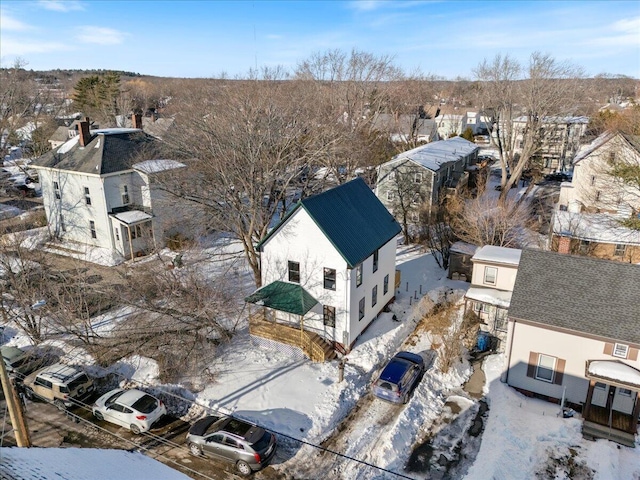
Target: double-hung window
x,y
359,275
374,296
87,196
620,350
375,261
294,272
490,275
545,368
329,315
92,228
329,278
385,284
56,189
361,309
125,194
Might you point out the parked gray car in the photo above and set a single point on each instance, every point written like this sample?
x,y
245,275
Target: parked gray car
x,y
20,363
248,446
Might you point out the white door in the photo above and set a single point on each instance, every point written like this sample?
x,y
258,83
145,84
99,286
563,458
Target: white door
x,y
599,397
623,400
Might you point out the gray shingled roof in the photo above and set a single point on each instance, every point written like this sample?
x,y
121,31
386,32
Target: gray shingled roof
x,y
583,294
109,151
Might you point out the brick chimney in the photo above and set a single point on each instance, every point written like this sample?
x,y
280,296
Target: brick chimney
x,y
83,131
564,244
136,120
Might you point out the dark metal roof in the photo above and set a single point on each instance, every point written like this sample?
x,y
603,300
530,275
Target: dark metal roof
x,y
583,294
351,217
108,151
284,297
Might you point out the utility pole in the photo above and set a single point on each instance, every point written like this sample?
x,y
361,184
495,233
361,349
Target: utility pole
x,y
14,405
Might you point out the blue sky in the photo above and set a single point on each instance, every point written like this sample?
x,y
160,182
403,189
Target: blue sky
x,y
204,38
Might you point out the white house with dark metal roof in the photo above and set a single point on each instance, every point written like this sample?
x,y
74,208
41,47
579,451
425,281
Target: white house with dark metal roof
x,y
98,193
328,270
574,334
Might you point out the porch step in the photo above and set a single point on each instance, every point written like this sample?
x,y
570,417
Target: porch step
x,y
592,430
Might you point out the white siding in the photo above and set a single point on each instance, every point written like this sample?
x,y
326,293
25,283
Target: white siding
x,y
300,240
505,279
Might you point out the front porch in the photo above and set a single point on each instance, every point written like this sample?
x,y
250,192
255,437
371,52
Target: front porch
x,y
311,344
612,407
293,300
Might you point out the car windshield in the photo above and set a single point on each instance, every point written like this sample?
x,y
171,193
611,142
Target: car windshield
x,y
19,362
388,386
78,381
145,404
111,400
237,427
263,443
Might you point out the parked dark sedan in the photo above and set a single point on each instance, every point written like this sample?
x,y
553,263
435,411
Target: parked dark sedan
x,y
248,446
557,177
398,377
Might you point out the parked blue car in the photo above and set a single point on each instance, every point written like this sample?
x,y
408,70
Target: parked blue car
x,y
398,377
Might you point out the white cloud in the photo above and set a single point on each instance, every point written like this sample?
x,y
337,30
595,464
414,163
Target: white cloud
x,y
630,25
61,5
16,48
100,35
11,24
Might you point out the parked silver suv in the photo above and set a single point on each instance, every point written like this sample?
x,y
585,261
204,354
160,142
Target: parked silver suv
x,y
248,446
60,384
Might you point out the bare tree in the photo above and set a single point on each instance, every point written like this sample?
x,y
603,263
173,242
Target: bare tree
x,y
543,89
482,221
252,142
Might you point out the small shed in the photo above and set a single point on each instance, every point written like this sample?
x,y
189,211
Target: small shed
x,y
460,264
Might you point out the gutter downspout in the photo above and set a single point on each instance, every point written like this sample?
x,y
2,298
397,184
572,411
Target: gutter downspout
x,y
504,378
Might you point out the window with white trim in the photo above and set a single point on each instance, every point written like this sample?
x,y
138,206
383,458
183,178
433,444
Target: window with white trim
x,y
87,196
56,189
294,271
92,228
625,392
391,195
545,368
375,261
374,296
359,275
490,275
620,250
385,284
329,316
361,309
329,278
125,195
620,350
417,178
63,227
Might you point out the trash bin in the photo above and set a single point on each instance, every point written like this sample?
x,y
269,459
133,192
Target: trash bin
x,y
483,342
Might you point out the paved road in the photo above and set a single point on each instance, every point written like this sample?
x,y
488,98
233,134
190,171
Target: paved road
x,y
166,442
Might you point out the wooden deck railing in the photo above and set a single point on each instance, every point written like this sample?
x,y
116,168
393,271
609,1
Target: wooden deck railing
x,y
312,344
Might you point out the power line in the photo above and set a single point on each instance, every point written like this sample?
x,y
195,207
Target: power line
x,y
226,413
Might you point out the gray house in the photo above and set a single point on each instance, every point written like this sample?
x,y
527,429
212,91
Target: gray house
x,y
410,184
574,334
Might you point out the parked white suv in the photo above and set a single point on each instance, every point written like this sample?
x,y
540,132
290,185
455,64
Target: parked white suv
x,y
60,384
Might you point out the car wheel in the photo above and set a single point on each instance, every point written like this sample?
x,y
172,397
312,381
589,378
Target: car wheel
x,y
28,393
98,416
60,406
195,449
135,429
243,467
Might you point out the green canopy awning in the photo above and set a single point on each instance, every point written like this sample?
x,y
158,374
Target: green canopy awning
x,y
283,296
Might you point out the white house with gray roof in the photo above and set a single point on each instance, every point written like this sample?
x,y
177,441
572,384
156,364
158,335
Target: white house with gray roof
x,y
100,195
492,280
574,334
409,184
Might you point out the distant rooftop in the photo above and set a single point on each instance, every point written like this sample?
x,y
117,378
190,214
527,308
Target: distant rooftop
x,y
491,253
436,154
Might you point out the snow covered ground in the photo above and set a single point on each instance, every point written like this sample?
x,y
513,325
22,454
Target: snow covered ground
x,y
304,402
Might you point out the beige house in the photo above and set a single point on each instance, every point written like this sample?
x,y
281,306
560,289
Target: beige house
x,y
594,207
493,277
574,336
